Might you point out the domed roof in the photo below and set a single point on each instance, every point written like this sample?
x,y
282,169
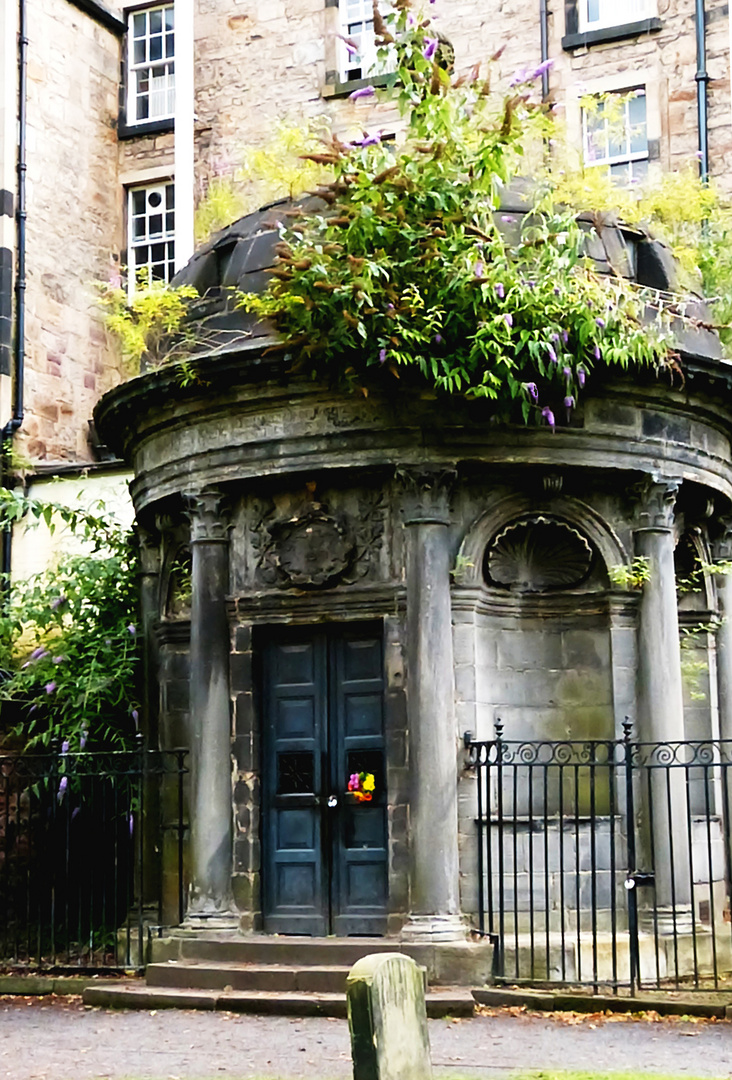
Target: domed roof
x,y
237,258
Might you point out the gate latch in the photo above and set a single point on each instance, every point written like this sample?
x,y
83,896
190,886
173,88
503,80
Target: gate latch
x,y
332,801
639,878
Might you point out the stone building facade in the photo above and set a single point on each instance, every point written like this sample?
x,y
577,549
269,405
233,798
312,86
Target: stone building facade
x,y
338,545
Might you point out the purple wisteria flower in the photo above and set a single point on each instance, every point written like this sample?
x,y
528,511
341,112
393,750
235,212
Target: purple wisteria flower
x,y
521,75
567,372
382,356
136,717
552,354
569,402
565,336
56,604
430,48
62,787
600,323
500,291
548,416
368,140
478,269
507,218
581,376
555,337
83,738
362,92
543,66
38,653
598,354
132,630
50,687
532,391
64,747
59,659
508,319
437,339
132,824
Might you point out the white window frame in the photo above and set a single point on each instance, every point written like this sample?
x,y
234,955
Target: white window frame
x,y
150,244
602,14
159,73
627,156
365,64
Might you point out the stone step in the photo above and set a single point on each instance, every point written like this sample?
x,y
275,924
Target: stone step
x,y
136,995
464,963
201,975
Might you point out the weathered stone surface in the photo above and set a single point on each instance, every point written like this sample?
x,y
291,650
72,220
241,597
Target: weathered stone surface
x,y
387,1019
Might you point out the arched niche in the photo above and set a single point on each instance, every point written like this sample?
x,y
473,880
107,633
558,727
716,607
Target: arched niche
x,y
572,512
533,613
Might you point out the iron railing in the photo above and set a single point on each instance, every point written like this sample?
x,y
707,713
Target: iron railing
x,y
605,862
91,856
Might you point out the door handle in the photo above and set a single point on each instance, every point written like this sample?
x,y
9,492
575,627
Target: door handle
x,y
332,802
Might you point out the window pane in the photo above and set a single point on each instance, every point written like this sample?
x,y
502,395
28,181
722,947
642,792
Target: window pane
x,y
169,18
156,48
637,120
156,22
138,56
138,202
593,10
139,24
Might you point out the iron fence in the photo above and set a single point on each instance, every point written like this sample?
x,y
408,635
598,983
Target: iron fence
x,y
91,856
605,862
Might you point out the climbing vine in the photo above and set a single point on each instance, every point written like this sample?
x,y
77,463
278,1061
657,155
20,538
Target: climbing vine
x,y
412,267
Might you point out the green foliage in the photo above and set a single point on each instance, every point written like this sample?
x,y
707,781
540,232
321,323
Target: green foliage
x,y
68,636
408,272
275,170
630,577
145,323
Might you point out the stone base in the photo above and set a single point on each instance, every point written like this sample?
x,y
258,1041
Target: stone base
x,y
431,929
211,918
669,920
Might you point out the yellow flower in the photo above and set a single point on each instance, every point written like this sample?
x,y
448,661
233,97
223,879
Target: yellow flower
x,y
368,782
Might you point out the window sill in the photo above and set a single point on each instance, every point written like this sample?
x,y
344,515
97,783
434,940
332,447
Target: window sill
x,y
610,33
345,89
148,127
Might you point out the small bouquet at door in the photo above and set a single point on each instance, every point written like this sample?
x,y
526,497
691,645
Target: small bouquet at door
x,y
361,785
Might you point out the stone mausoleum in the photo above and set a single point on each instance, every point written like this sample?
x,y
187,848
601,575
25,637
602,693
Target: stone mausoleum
x,y
336,583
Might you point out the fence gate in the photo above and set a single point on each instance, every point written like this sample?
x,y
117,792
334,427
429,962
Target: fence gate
x,y
605,862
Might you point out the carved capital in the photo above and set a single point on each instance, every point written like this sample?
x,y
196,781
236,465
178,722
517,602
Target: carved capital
x,y
207,512
721,545
148,546
427,494
655,503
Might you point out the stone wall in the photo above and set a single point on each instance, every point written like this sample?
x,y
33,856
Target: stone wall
x,y
74,225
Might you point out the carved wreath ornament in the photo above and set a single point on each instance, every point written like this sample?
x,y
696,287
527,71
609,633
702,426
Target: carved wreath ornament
x,y
313,548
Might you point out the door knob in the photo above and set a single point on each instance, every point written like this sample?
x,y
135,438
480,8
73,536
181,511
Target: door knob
x,y
332,801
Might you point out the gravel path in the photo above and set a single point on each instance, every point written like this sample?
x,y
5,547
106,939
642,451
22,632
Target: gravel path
x,y
58,1039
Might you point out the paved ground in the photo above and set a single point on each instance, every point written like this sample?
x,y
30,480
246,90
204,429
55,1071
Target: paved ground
x,y
58,1039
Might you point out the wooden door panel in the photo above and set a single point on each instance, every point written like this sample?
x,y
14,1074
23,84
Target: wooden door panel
x,y
295,726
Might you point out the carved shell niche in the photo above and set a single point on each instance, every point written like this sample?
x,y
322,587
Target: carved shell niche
x,y
538,554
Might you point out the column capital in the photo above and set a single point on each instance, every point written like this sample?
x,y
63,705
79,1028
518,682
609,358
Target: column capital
x,y
207,512
655,502
427,490
148,547
721,545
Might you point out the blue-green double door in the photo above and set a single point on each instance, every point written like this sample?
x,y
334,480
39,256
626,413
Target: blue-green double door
x,y
324,858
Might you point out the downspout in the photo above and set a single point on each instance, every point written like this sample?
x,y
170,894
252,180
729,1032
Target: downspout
x,y
544,32
702,78
16,419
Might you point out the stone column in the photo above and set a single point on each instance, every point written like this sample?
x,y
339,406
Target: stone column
x,y
722,554
660,699
149,582
433,774
210,899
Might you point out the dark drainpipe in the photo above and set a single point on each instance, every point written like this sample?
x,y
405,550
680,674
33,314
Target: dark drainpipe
x,y
544,31
16,419
702,78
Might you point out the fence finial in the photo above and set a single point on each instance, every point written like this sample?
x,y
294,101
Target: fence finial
x,y
499,728
627,728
